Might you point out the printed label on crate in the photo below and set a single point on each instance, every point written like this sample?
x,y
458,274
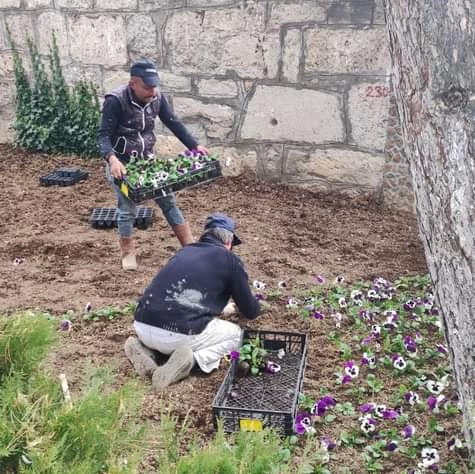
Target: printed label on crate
x,y
125,189
250,424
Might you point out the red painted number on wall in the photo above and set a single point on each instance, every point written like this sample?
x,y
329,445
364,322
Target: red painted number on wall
x,y
377,91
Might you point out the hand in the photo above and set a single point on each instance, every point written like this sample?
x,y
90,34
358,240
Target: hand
x,y
202,149
118,170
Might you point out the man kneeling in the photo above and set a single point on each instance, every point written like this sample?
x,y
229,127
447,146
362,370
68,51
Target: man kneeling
x,y
177,313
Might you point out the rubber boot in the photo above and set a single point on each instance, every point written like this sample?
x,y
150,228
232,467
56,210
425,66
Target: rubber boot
x,y
183,233
127,247
142,357
178,367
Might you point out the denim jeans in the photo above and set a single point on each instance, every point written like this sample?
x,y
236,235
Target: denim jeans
x,y
127,209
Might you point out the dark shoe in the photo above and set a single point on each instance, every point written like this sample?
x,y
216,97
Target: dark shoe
x,y
178,367
142,357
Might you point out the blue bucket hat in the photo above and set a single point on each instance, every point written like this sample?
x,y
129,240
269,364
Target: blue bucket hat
x,y
222,221
147,71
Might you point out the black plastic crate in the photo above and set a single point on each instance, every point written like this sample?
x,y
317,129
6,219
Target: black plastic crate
x,y
210,171
106,217
65,176
251,403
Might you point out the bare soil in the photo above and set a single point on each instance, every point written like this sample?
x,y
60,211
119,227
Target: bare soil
x,y
288,233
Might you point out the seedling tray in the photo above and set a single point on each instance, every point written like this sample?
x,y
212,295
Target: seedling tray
x,y
65,176
209,172
254,402
106,217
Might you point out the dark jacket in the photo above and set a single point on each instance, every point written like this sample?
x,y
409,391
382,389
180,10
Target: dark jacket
x,y
127,126
194,287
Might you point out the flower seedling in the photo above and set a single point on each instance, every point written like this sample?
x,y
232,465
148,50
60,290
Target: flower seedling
x,y
251,356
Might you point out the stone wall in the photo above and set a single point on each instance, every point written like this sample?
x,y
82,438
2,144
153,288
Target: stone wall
x,y
295,90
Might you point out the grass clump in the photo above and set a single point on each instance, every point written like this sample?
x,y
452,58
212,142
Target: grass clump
x,y
40,433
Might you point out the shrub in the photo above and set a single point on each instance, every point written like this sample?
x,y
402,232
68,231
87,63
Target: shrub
x,y
51,116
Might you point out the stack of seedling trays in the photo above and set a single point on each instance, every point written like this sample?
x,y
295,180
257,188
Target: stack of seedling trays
x,y
173,177
65,176
106,217
267,400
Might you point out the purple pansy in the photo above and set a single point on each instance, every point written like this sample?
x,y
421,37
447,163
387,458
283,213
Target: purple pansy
x,y
272,367
391,445
398,362
412,398
303,423
442,349
369,360
317,315
319,279
368,425
327,443
408,431
65,325
430,456
351,369
234,355
367,407
410,344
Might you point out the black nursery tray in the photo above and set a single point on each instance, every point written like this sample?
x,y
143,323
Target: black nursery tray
x,y
210,171
251,403
65,176
106,217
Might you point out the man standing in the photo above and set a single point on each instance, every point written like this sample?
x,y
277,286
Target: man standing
x,y
177,312
127,131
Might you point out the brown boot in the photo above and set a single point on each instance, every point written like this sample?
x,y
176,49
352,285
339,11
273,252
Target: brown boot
x,y
127,248
183,233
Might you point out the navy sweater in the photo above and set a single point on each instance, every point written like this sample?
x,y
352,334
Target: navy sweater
x,y
194,287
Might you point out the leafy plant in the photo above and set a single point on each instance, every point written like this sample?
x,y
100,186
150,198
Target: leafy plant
x,y
51,116
252,353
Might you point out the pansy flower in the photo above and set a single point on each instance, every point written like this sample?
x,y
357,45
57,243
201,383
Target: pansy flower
x,y
339,279
408,431
357,297
318,315
412,398
409,305
442,349
372,295
375,330
65,325
292,303
435,387
233,355
390,414
319,279
391,445
272,367
369,360
410,345
454,443
367,407
430,456
434,403
367,340
368,425
379,410
398,362
327,443
303,424
18,260
282,284
342,302
320,407
259,285
337,317
351,369
259,297
366,315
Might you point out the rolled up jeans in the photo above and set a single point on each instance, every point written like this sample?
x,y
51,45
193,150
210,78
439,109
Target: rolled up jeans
x,y
218,339
127,209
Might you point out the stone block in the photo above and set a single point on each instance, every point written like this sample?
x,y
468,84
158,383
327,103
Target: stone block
x,y
114,79
6,65
20,26
33,4
116,5
235,161
368,105
149,5
7,94
335,165
49,22
74,73
270,159
168,146
7,116
10,4
142,35
293,12
174,82
352,13
197,131
286,114
291,55
74,4
378,14
346,51
104,34
217,88
221,42
209,3
218,120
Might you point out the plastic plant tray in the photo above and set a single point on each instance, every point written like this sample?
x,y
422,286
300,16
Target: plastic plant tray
x,y
106,217
255,402
65,176
210,171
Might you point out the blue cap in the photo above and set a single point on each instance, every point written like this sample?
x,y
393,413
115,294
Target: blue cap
x,y
147,71
222,221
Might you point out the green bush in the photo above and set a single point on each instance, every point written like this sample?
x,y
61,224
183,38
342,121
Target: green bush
x,y
39,433
51,116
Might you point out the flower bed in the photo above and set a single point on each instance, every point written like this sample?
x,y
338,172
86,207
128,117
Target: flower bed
x,y
267,400
151,178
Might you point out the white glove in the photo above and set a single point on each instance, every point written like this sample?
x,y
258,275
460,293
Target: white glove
x,y
229,309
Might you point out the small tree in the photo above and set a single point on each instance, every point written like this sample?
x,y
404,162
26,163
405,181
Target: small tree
x,y
51,116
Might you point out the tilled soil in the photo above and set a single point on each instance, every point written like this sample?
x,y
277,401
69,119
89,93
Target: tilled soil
x,y
288,233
